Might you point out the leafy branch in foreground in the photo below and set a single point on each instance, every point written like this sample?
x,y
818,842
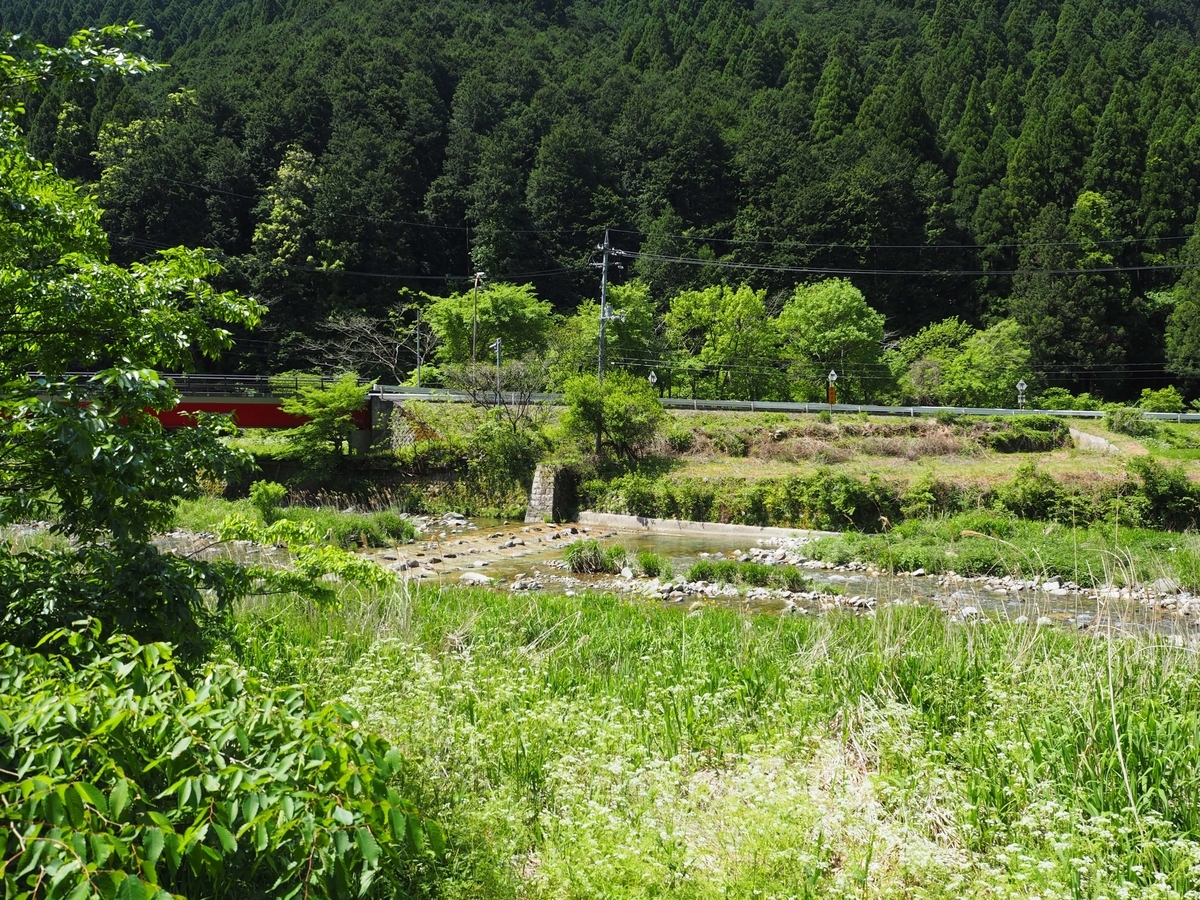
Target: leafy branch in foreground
x,y
122,779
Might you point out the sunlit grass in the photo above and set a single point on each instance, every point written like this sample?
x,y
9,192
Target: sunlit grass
x,y
593,747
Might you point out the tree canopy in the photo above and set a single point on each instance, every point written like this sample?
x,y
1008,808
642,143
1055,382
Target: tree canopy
x,y
334,155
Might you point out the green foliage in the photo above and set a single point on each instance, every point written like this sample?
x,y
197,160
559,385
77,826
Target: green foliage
x,y
314,565
89,454
511,312
124,780
1166,400
729,571
632,341
716,333
1023,434
267,496
588,557
622,412
383,528
653,565
501,460
923,356
823,500
1061,398
829,326
330,410
680,438
1130,421
986,372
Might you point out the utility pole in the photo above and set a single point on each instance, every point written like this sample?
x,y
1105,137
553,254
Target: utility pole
x,y
607,248
475,315
418,350
495,345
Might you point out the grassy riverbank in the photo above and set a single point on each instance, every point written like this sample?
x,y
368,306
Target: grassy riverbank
x,y
594,748
987,543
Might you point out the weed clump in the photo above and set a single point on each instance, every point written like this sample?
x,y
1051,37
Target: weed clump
x,y
589,558
751,574
1129,421
653,565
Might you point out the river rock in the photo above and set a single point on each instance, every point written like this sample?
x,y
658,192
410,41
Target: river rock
x,y
1165,586
1043,621
476,578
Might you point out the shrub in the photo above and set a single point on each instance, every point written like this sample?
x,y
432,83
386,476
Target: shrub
x,y
267,497
501,459
1031,494
132,782
680,438
1167,400
623,411
589,558
1025,434
331,412
1171,501
1129,421
347,529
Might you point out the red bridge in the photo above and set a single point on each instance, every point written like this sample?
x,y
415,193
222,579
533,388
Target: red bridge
x,y
248,398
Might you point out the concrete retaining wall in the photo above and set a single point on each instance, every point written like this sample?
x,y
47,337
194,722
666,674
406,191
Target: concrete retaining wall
x,y
680,526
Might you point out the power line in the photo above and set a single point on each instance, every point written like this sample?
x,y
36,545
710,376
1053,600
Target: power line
x,y
871,246
818,270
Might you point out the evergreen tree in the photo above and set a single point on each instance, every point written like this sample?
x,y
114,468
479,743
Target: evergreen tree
x,y
1113,169
1070,310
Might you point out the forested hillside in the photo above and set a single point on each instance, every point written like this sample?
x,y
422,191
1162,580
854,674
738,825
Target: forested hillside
x,y
1026,159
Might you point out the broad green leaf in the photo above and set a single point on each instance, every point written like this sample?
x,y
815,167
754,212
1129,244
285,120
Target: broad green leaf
x,y
152,844
133,888
227,840
118,799
437,837
92,794
367,845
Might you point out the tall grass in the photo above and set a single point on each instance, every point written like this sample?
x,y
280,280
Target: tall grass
x,y
588,557
592,747
749,573
375,528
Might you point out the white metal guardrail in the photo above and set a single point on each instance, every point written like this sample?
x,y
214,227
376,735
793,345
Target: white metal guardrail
x,y
442,395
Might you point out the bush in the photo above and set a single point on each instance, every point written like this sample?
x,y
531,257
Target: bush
x,y
680,438
267,497
1031,494
1129,421
1025,434
133,782
501,459
1171,501
1168,400
623,411
1061,398
589,558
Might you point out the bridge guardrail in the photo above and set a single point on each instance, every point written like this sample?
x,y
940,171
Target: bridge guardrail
x,y
445,395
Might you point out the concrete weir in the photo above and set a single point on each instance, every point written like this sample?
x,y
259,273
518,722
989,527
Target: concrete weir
x,y
681,526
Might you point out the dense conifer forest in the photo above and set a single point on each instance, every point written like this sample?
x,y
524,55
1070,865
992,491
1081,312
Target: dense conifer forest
x,y
1033,160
